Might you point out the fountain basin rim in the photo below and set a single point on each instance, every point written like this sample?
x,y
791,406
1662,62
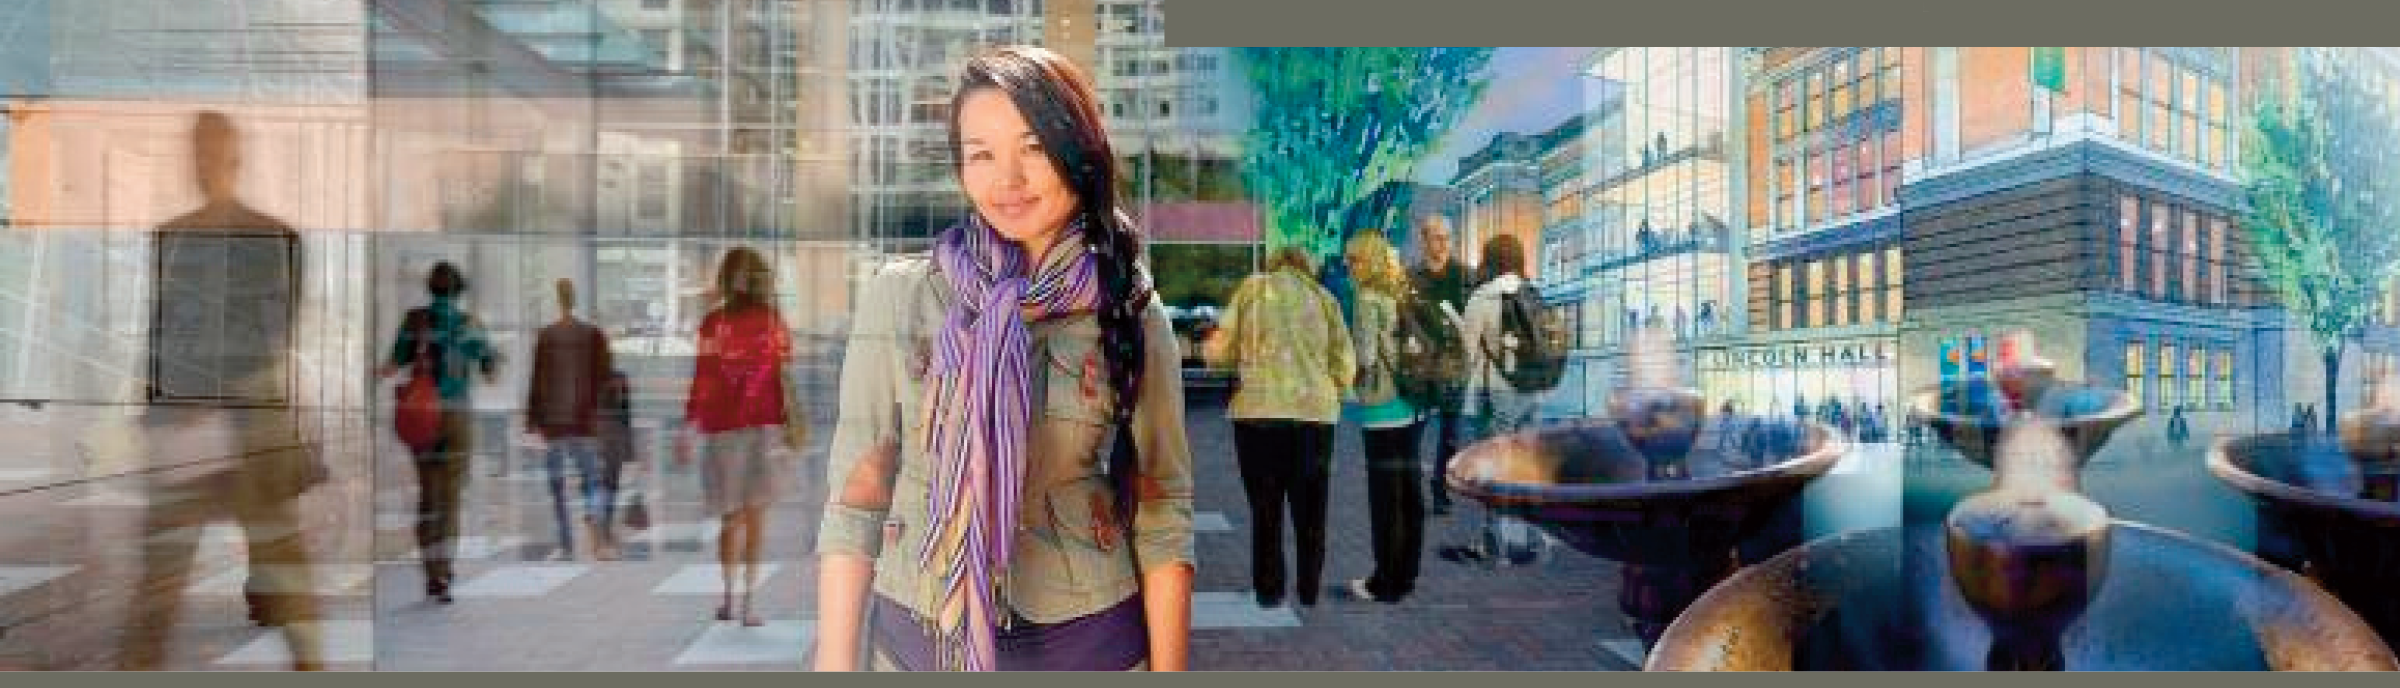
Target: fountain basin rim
x,y
2220,464
1807,465
1682,646
1923,404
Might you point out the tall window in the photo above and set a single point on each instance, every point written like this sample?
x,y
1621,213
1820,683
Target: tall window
x,y
1783,296
2189,257
2135,372
1840,309
2224,370
2158,250
2217,292
1815,296
2129,219
2166,391
1870,288
1892,298
2195,377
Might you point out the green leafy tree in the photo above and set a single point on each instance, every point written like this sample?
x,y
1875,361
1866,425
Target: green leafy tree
x,y
2323,211
1330,125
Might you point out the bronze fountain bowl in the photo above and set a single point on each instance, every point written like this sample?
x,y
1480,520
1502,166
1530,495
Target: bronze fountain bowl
x,y
1593,485
1970,423
2316,514
1883,599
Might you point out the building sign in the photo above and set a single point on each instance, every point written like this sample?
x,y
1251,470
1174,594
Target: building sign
x,y
1828,355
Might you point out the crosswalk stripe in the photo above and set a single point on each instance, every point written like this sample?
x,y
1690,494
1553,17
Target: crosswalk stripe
x,y
777,642
1214,610
705,579
522,580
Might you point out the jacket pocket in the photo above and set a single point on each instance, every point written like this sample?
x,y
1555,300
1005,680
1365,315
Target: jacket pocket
x,y
1075,382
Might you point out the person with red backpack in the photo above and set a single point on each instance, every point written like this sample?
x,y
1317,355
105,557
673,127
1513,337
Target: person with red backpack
x,y
438,343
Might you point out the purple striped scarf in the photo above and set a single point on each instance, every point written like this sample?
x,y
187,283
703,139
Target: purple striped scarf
x,y
979,392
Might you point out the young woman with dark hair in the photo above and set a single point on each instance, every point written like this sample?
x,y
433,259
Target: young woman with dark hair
x,y
1009,482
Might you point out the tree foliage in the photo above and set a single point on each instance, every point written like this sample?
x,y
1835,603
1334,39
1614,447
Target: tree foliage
x,y
1332,125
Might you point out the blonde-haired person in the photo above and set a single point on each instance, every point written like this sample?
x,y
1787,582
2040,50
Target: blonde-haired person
x,y
735,410
1388,423
1284,336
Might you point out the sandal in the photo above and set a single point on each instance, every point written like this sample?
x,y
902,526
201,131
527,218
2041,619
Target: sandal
x,y
750,618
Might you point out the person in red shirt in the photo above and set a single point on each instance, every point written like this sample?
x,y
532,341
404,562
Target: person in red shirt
x,y
735,411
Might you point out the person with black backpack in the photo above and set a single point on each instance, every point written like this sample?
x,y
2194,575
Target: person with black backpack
x,y
1393,382
1516,352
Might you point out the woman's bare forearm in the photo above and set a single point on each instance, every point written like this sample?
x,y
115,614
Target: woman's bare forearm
x,y
843,581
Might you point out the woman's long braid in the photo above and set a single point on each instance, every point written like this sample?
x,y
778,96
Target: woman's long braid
x,y
1125,294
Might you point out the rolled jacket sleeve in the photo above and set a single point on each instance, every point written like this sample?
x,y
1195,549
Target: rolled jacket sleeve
x,y
865,453
1163,520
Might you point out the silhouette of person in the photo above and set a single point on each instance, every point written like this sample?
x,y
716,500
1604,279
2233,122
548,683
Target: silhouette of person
x,y
218,404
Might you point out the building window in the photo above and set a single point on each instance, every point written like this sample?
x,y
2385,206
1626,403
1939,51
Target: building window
x,y
1892,285
2135,371
2189,257
2220,152
1870,288
2158,250
2224,370
2166,391
2216,263
2195,377
2129,219
1815,296
2173,108
1838,313
1783,297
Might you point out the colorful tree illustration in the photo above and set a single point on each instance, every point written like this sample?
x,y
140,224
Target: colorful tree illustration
x,y
1331,125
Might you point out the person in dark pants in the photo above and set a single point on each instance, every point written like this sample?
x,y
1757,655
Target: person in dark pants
x,y
1388,422
451,341
1286,469
1443,279
1285,336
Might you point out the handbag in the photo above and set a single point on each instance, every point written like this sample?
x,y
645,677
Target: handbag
x,y
637,513
417,404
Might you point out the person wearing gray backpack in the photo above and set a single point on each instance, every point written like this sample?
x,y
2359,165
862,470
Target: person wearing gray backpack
x,y
1513,357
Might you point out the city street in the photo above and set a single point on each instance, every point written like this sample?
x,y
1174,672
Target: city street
x,y
65,576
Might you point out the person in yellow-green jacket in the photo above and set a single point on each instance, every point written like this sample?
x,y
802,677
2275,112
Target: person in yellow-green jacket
x,y
1283,335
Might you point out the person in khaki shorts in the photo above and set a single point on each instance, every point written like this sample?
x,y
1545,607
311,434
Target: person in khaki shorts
x,y
1009,482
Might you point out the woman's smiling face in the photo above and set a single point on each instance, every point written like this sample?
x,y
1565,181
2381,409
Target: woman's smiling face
x,y
1009,176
